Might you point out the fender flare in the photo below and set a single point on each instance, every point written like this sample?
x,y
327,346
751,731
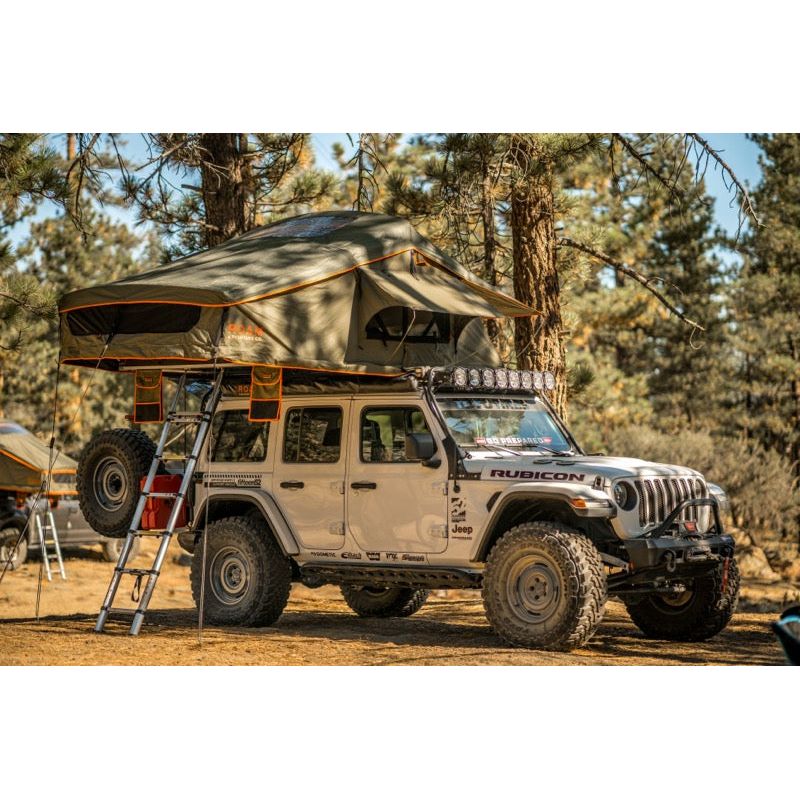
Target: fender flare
x,y
266,504
599,505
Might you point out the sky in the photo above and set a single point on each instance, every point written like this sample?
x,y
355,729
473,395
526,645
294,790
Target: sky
x,y
740,153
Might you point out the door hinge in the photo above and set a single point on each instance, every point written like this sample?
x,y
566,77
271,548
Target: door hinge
x,y
337,528
439,531
338,486
441,487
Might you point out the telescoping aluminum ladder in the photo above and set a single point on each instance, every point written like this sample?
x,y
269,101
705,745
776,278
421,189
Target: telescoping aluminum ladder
x,y
202,419
46,527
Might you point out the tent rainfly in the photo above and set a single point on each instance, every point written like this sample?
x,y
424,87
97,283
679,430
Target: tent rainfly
x,y
24,462
342,291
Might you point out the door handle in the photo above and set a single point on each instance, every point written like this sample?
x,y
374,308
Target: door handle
x,y
364,485
292,484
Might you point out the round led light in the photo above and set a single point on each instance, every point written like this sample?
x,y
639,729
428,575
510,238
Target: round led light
x,y
460,377
538,381
624,495
549,381
513,379
474,378
501,377
488,378
527,380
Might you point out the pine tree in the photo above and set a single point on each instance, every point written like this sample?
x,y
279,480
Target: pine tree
x,y
767,300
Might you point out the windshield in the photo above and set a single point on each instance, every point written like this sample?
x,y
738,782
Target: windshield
x,y
518,423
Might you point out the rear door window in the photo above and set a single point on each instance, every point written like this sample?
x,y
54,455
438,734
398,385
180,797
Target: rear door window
x,y
234,438
312,436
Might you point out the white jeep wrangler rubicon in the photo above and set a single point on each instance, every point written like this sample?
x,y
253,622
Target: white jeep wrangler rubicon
x,y
449,478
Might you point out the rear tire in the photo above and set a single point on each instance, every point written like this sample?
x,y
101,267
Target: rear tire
x,y
8,538
113,547
693,616
109,473
544,587
383,601
247,576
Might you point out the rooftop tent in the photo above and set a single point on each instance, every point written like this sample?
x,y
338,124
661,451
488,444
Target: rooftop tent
x,y
24,461
340,290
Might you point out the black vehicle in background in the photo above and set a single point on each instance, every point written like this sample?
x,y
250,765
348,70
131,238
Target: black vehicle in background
x,y
73,530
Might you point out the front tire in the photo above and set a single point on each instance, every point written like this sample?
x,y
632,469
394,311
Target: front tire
x,y
247,576
383,601
8,538
544,587
702,611
109,473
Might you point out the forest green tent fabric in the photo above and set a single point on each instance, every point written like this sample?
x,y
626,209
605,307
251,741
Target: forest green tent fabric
x,y
24,461
339,290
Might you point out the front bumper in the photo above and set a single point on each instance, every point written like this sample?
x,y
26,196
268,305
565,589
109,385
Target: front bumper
x,y
670,553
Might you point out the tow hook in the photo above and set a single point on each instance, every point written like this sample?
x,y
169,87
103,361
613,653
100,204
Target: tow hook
x,y
725,565
669,558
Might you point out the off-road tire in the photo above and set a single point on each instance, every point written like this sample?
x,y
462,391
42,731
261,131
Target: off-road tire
x,y
544,587
8,538
109,472
375,601
248,578
706,611
113,547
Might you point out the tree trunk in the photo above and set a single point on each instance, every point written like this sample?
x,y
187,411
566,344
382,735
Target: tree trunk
x,y
538,340
224,182
489,245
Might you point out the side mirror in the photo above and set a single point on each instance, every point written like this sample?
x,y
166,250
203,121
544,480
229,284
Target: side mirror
x,y
421,447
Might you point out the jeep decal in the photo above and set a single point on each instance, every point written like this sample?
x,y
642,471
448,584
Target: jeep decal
x,y
531,475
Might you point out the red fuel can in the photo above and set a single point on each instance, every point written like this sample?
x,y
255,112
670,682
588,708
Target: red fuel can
x,y
157,509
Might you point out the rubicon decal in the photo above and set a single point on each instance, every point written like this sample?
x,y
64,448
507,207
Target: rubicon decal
x,y
532,475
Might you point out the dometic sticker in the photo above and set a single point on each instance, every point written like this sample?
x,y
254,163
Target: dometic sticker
x,y
234,480
322,554
534,475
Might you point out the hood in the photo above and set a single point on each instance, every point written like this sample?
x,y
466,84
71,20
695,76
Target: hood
x,y
576,469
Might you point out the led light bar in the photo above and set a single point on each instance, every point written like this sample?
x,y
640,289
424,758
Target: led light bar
x,y
500,379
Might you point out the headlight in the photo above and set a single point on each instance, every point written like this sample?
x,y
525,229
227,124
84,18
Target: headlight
x,y
513,379
460,377
549,381
501,376
474,378
624,495
488,378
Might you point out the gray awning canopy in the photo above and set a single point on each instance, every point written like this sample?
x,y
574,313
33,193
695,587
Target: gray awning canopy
x,y
319,291
25,461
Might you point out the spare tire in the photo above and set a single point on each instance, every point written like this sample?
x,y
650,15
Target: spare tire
x,y
109,473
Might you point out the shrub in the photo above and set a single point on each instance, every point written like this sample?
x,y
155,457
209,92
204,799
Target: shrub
x,y
760,483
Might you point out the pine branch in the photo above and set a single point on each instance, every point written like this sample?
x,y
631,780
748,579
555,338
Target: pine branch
x,y
647,167
631,273
746,206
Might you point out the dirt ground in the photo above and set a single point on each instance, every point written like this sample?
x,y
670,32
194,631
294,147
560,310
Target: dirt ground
x,y
318,628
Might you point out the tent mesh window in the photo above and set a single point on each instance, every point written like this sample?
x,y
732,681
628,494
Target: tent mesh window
x,y
133,318
304,228
399,323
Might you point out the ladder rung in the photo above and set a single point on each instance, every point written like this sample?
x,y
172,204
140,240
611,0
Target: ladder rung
x,y
154,532
131,571
173,458
121,610
161,494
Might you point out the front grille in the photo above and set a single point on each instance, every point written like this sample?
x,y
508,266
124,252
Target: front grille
x,y
658,497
